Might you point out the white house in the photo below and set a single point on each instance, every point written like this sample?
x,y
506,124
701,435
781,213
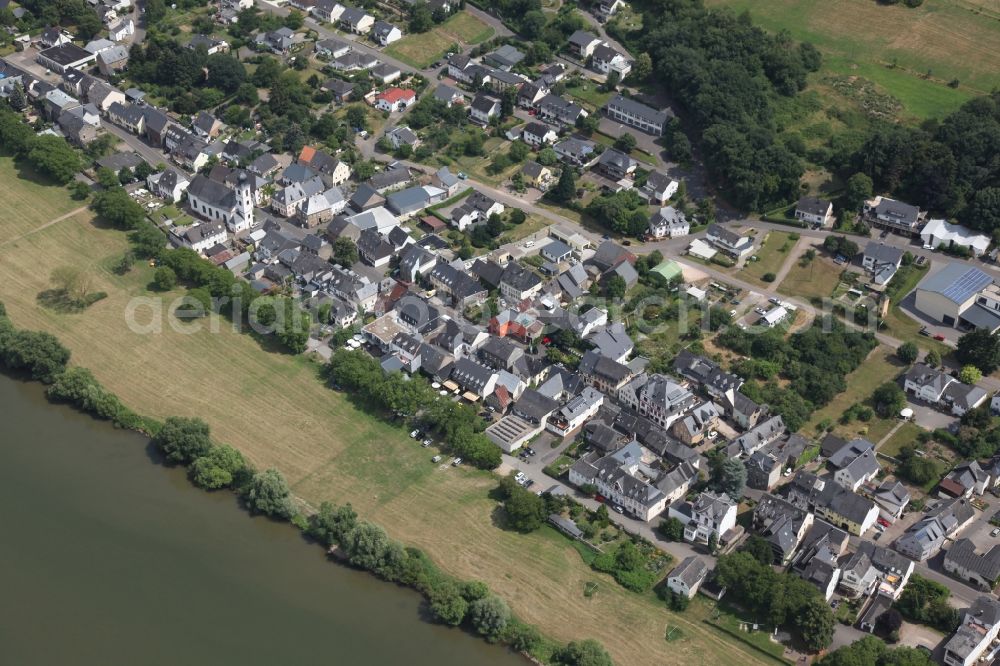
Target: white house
x,y
711,514
659,188
385,33
729,242
169,184
121,30
537,134
687,576
607,60
814,211
774,316
199,237
395,99
484,108
668,222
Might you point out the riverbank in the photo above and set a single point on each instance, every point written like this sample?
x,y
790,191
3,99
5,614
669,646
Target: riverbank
x,y
273,408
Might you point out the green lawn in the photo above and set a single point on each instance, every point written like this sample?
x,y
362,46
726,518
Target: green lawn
x,y
770,256
894,46
421,50
905,436
29,201
588,94
816,278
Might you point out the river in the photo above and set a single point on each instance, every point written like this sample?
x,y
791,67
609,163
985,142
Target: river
x,y
109,558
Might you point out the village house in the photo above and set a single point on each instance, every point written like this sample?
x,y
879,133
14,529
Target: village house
x,y
658,188
668,222
815,212
979,569
395,99
687,577
980,627
635,114
385,33
893,215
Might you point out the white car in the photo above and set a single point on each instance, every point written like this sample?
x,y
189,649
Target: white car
x,y
529,243
413,435
436,459
456,462
520,477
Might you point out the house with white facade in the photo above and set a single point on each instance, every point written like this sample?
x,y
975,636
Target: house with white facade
x,y
668,222
711,514
687,577
980,627
212,200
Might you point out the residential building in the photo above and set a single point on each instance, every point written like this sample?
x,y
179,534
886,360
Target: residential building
x,y
693,427
608,60
881,261
169,184
385,73
201,236
112,60
814,211
873,569
711,515
858,470
841,507
537,176
782,524
582,44
476,208
356,20
484,109
635,114
385,33
518,283
576,152
603,373
706,372
893,215
979,628
729,242
555,108
463,289
332,48
938,388
577,411
762,434
658,188
328,11
537,134
763,470
687,577
668,222
657,397
817,558
506,57
893,497
395,99
979,569
616,164
924,538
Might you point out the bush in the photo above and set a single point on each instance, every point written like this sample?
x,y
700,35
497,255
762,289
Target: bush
x,y
768,277
39,354
268,493
78,387
182,440
222,467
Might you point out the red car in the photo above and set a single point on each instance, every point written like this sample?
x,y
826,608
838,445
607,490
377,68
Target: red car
x,y
546,341
883,522
939,337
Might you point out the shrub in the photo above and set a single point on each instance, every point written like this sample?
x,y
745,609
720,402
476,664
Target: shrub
x,y
768,277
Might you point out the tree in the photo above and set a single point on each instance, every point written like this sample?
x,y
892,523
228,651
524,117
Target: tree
x,y
672,529
489,616
225,72
888,399
72,282
980,348
164,278
857,190
345,251
448,604
625,142
331,524
601,516
126,263
932,358
759,549
517,216
729,476
55,158
524,509
907,353
889,623
39,354
642,67
969,374
17,100
218,469
182,439
565,189
79,190
815,624
615,287
268,493
583,653
421,18
118,208
294,20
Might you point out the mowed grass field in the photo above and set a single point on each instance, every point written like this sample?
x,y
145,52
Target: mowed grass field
x,y
947,38
817,278
421,50
771,255
273,408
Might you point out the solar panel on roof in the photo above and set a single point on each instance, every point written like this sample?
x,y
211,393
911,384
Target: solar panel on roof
x,y
966,285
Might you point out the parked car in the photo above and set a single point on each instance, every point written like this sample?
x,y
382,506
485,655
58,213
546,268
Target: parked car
x,y
529,483
939,337
456,462
519,477
530,450
414,434
427,443
619,509
883,522
924,331
436,459
996,531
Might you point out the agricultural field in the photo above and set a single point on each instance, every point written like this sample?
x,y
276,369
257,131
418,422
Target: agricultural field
x,y
28,200
421,50
911,54
274,408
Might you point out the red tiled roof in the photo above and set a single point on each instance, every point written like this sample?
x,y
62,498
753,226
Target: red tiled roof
x,y
394,95
308,152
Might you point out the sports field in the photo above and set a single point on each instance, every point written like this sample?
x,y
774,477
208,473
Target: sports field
x,y
274,409
911,53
